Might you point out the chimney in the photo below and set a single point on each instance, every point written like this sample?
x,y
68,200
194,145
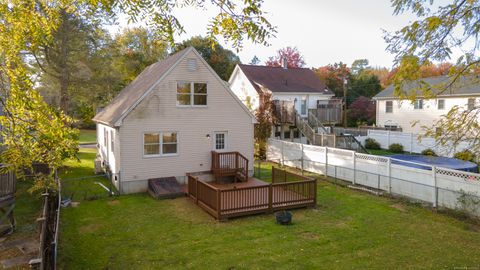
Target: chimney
x,y
284,62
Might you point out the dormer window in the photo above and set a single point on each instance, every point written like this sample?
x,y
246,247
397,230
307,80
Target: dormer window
x,y
191,94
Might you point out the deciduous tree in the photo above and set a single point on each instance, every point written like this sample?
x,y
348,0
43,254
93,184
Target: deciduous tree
x,y
440,30
223,61
293,56
334,76
37,133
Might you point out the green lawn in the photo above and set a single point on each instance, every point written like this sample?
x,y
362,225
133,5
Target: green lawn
x,y
348,230
381,152
88,136
78,180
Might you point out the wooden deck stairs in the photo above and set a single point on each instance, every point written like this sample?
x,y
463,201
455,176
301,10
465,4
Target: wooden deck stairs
x,y
229,164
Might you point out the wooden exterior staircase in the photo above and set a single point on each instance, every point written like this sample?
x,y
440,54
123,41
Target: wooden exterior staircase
x,y
229,164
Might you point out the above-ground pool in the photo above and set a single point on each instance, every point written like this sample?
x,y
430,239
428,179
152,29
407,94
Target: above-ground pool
x,y
445,162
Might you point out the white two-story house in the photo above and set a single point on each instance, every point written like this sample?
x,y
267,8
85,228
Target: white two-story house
x,y
391,112
167,121
293,90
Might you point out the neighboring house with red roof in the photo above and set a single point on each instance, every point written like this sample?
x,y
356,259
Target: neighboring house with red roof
x,y
168,120
293,90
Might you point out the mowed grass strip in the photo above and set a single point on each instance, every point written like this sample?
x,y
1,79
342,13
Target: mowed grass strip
x,y
87,136
348,230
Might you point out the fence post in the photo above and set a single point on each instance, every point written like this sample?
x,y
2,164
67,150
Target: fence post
x,y
354,167
326,161
302,160
411,142
388,138
434,178
389,172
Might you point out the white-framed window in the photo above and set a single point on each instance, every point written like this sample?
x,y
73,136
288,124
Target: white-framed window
x,y
191,94
471,104
441,104
303,106
160,143
105,137
418,104
112,141
220,140
388,106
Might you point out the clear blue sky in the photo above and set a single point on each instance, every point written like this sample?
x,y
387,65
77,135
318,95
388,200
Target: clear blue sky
x,y
324,31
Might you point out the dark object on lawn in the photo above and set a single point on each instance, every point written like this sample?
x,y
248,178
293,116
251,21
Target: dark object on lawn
x,y
165,188
283,217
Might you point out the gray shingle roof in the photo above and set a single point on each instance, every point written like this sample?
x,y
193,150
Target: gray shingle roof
x,y
131,94
291,80
467,85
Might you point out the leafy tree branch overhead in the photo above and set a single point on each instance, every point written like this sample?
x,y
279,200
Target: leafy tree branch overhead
x,y
443,32
36,133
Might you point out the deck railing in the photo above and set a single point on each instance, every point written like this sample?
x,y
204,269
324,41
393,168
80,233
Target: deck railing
x,y
229,164
294,192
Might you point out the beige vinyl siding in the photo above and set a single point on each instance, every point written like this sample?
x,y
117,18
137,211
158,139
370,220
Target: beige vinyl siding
x,y
158,112
405,115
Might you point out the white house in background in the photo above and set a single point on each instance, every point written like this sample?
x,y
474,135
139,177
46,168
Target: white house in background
x,y
395,113
167,122
292,89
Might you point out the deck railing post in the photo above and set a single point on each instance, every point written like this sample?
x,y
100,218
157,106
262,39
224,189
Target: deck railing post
x,y
270,198
315,192
196,190
219,210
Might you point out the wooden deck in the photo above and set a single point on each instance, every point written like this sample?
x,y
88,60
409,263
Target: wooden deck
x,y
254,196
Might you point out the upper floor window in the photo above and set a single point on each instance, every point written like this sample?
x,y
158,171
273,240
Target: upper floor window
x,y
191,94
388,106
441,104
471,104
418,104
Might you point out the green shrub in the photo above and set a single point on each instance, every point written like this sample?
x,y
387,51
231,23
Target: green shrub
x,y
372,144
466,155
396,148
429,152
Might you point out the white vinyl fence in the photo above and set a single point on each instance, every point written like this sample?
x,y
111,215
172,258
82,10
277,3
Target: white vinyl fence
x,y
410,142
438,186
